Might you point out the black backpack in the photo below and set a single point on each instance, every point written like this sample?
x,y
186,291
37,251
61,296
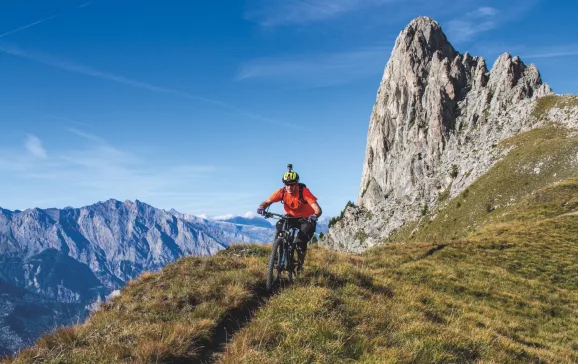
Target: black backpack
x,y
301,199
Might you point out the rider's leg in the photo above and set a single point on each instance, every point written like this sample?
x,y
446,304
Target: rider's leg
x,y
301,253
306,231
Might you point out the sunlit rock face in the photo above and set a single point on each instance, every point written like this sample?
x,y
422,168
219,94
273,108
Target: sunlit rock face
x,y
435,124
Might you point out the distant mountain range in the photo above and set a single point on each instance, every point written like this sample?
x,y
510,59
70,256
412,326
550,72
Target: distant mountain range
x,y
254,221
55,263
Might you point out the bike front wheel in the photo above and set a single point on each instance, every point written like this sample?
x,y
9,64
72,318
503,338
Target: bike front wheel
x,y
290,263
274,268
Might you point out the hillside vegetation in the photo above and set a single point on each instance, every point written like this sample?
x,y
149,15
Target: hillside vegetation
x,y
493,280
538,158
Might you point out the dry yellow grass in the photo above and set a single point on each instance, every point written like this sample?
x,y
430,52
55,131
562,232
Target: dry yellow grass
x,y
172,315
508,294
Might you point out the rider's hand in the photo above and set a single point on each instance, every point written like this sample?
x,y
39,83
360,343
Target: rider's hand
x,y
261,211
312,218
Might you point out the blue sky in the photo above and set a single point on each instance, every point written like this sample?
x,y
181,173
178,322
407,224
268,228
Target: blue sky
x,y
200,107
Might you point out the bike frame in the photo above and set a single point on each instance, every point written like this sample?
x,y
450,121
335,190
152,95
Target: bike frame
x,y
288,234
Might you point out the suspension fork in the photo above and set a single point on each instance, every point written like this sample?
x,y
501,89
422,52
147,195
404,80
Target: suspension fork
x,y
288,247
292,248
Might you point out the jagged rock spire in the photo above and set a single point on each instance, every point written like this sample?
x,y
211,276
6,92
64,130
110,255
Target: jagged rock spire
x,y
421,39
434,107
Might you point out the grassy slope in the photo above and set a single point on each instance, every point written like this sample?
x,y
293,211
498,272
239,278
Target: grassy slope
x,y
504,292
553,150
169,316
508,293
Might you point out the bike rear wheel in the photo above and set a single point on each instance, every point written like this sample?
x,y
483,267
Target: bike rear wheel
x,y
274,268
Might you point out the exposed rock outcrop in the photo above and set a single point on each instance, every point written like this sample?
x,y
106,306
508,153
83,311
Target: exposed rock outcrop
x,y
434,129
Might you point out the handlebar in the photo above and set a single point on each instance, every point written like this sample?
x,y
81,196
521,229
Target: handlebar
x,y
268,214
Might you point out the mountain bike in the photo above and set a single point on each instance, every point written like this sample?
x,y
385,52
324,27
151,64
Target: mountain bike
x,y
282,257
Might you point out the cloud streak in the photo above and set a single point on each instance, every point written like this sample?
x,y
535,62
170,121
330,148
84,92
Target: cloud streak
x,y
84,5
75,67
27,26
318,70
86,136
553,52
272,13
466,27
89,71
70,121
40,21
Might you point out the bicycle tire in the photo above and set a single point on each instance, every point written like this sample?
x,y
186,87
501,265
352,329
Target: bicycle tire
x,y
291,265
274,262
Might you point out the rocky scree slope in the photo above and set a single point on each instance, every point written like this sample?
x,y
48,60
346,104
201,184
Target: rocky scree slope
x,y
435,128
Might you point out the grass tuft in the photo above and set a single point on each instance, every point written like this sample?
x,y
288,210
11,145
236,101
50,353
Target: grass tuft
x,y
546,103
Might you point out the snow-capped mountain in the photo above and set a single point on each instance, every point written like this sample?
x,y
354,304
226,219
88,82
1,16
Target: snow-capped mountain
x,y
250,219
247,219
323,225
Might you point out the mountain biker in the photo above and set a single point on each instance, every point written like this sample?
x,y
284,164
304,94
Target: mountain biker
x,y
298,201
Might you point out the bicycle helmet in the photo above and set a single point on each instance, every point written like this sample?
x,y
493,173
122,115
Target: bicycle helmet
x,y
290,177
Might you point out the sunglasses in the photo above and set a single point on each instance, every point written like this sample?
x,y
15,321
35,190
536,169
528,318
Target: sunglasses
x,y
291,184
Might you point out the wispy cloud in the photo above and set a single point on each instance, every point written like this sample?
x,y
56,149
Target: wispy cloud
x,y
279,12
552,52
89,71
526,52
40,21
27,26
84,5
34,146
87,136
75,67
70,121
98,171
317,70
466,27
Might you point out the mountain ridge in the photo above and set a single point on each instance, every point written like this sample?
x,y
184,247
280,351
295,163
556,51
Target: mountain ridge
x,y
435,127
80,255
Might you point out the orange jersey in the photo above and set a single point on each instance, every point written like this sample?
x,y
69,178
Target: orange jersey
x,y
291,202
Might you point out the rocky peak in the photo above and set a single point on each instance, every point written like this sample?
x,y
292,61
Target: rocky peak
x,y
437,111
421,39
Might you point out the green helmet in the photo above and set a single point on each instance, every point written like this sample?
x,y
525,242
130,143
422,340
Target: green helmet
x,y
290,177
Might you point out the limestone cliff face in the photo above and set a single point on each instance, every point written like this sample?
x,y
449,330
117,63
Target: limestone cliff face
x,y
436,121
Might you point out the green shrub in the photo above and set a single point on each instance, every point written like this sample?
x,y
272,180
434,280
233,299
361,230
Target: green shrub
x,y
335,220
454,171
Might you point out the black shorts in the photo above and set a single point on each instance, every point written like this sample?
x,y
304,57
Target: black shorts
x,y
306,231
